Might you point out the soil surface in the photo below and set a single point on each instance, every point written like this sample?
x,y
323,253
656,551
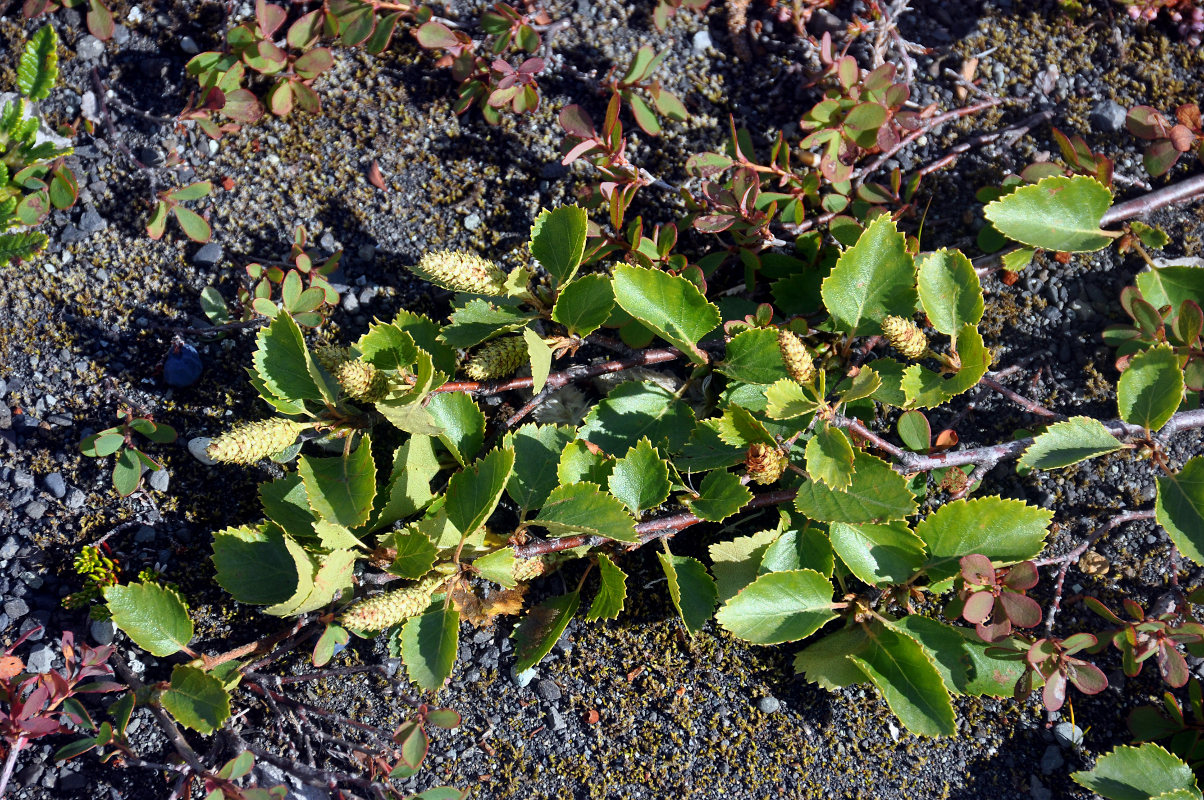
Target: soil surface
x,y
93,318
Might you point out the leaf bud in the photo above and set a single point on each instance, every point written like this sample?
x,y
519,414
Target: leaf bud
x,y
497,358
386,610
765,463
905,336
251,441
796,357
527,569
462,271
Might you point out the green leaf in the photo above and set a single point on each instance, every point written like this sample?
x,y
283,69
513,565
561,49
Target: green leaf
x,y
739,428
410,416
670,305
541,359
753,356
779,607
826,662
498,567
878,554
1056,213
193,224
877,493
944,644
428,646
1066,443
386,346
283,362
127,472
341,489
735,563
720,495
585,508
578,463
332,577
1151,388
585,304
537,453
462,423
805,548
871,280
416,553
908,680
478,321
692,590
1179,508
196,699
924,388
1138,773
259,566
1170,286
153,616
830,457
641,478
38,68
787,400
558,241
409,486
539,630
612,592
332,536
634,410
949,290
21,246
1149,235
473,493
1005,531
425,333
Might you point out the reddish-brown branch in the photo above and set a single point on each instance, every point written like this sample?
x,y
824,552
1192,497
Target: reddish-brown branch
x,y
1031,406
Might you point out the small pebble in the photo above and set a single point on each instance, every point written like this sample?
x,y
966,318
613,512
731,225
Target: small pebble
x,y
1052,760
159,480
34,509
769,705
103,631
55,484
75,499
548,690
16,608
89,48
524,678
182,367
189,45
1108,116
1068,734
208,255
702,42
472,221
40,659
197,447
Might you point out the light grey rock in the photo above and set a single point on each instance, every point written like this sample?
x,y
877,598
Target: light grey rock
x,y
702,42
1108,116
55,484
89,48
40,659
769,705
159,480
103,631
1068,734
524,678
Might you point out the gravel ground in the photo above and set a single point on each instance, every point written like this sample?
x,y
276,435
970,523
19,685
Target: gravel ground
x,y
703,717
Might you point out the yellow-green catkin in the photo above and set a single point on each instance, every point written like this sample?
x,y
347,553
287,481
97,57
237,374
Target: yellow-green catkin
x,y
331,358
905,336
463,272
765,463
361,380
795,355
388,609
251,441
497,358
527,569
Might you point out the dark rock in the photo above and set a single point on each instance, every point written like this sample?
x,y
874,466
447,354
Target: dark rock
x,y
182,367
55,484
91,221
16,608
548,690
208,256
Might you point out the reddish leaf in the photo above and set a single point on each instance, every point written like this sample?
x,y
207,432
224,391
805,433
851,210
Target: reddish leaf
x,y
375,178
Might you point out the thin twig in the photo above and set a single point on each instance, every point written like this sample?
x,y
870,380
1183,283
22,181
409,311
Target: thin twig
x,y
1031,406
1014,130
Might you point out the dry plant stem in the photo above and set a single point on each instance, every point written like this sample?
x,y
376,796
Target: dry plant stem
x,y
253,648
116,140
11,761
1015,130
928,127
1064,561
256,683
1031,406
312,776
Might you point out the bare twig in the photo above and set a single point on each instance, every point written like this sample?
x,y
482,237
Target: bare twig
x,y
1014,130
1031,406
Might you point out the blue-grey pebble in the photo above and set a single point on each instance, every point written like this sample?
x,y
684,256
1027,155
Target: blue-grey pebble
x,y
55,484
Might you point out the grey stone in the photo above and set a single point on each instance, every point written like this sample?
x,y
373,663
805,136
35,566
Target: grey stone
x,y
121,34
557,719
40,659
159,480
89,48
91,221
103,631
16,608
55,484
548,690
72,780
1037,790
524,678
769,705
22,480
1108,116
702,42
20,497
75,498
472,221
189,45
9,548
350,303
208,256
144,534
34,509
1052,759
197,446
1068,734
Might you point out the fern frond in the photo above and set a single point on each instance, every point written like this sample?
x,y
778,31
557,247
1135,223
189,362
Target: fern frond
x,y
39,66
20,245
